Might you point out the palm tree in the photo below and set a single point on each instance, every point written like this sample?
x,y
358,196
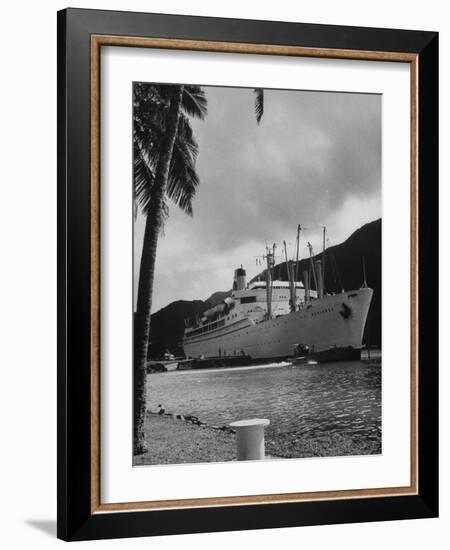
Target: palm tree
x,y
259,104
165,152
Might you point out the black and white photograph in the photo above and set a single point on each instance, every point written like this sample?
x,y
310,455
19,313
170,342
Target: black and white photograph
x,y
257,274
223,317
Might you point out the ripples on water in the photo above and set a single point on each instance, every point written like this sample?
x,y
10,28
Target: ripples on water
x,y
335,398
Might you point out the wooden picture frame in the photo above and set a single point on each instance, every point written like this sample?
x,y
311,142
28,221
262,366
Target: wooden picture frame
x,y
81,35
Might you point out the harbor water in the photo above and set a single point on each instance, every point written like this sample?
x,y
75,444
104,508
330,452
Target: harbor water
x,y
309,402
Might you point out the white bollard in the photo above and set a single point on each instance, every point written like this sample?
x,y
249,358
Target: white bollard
x,y
250,438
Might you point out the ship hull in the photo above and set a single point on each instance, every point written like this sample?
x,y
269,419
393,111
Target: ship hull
x,y
332,322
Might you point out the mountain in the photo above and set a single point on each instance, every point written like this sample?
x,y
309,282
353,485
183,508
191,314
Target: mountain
x,y
343,270
216,298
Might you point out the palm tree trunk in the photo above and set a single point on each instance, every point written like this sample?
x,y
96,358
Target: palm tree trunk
x,y
147,270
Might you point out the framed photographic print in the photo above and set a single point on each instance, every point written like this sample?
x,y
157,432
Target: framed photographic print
x,y
247,242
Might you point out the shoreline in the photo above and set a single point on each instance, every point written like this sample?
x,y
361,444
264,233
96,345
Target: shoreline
x,y
173,440
368,357
178,439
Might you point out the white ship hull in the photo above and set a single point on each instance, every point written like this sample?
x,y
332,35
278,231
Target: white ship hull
x,y
335,321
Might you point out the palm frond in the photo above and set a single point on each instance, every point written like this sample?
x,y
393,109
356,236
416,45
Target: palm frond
x,y
143,184
259,104
143,176
194,102
182,184
151,103
183,179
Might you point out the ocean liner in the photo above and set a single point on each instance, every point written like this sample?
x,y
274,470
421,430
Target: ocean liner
x,y
277,319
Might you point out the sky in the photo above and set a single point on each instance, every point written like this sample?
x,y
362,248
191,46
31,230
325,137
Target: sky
x,y
314,160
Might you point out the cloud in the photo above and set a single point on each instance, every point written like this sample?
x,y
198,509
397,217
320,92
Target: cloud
x,y
315,159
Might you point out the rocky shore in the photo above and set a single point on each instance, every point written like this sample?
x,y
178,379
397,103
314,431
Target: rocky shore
x,y
178,439
291,445
185,439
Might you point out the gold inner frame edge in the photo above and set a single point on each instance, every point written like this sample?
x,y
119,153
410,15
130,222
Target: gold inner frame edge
x,y
97,41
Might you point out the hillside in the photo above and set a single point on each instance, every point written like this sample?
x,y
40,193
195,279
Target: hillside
x,y
343,269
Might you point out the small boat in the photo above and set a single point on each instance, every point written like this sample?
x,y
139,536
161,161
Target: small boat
x,y
303,361
171,366
297,361
161,365
302,356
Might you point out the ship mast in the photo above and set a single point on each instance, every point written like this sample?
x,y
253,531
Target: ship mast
x,y
270,254
272,274
319,279
324,229
313,269
290,273
364,272
306,285
299,228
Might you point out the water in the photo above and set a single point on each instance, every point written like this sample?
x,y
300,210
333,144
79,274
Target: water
x,y
314,401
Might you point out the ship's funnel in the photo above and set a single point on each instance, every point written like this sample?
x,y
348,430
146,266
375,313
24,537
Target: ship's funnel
x,y
239,279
